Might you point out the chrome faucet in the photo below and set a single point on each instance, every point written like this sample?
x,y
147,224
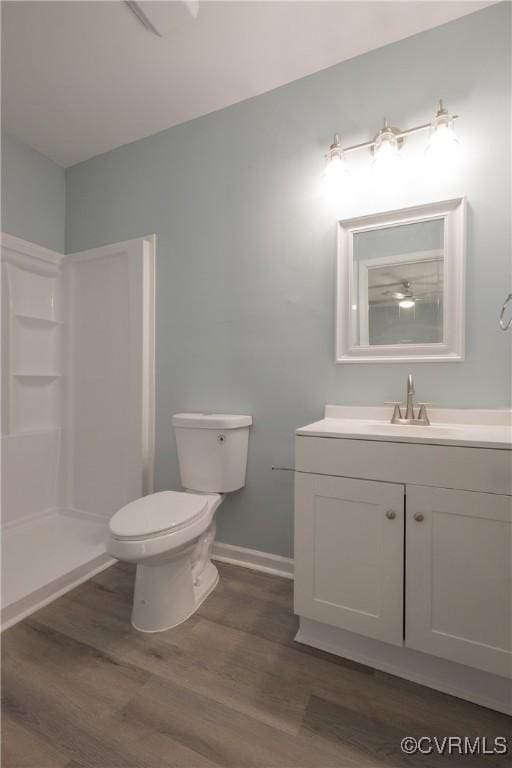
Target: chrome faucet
x,y
409,411
420,418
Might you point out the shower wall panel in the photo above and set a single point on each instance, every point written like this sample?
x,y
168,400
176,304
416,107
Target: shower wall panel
x,y
32,348
104,438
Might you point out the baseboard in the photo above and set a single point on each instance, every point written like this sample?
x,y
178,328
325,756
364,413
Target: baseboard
x,y
254,559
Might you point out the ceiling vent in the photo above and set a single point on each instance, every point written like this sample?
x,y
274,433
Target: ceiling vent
x,y
162,17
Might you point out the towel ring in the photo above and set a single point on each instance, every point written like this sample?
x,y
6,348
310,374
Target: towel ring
x,y
505,324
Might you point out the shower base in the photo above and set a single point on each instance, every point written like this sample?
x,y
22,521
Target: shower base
x,y
49,555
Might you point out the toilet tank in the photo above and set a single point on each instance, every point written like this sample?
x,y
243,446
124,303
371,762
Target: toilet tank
x,y
212,450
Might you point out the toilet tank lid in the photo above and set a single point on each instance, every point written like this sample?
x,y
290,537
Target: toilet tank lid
x,y
211,420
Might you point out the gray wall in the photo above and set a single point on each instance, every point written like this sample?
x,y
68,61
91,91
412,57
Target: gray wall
x,y
247,247
33,195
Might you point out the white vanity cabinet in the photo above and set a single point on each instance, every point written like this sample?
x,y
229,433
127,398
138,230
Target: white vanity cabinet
x,y
403,558
349,549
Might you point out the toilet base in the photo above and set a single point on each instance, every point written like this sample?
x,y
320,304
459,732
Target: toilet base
x,y
166,595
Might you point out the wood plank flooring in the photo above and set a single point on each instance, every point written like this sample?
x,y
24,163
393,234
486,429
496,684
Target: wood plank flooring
x,y
228,688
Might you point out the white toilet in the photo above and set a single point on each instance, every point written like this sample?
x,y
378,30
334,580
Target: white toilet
x,y
170,534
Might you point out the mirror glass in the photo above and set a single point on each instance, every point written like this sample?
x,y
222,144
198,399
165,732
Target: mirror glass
x,y
398,284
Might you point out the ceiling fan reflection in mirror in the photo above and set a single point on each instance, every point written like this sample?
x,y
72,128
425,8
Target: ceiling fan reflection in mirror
x,y
406,299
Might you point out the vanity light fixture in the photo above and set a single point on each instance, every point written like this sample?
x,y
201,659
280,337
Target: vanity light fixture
x,y
387,144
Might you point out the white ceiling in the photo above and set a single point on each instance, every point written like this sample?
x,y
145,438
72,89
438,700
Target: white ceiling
x,y
79,78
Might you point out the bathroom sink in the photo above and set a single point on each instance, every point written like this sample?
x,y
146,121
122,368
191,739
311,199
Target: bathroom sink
x,y
469,427
418,430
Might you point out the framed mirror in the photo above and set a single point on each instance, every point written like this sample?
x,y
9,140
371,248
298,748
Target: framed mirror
x,y
400,285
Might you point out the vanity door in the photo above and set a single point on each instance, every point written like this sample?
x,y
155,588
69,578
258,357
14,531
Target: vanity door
x,y
349,554
459,577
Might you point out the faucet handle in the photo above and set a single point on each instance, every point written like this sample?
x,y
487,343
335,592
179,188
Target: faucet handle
x,y
422,413
397,413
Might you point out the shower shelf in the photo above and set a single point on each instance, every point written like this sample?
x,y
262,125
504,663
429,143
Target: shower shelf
x,y
31,432
27,375
36,319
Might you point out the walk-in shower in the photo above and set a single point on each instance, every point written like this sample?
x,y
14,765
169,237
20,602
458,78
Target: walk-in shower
x,y
77,409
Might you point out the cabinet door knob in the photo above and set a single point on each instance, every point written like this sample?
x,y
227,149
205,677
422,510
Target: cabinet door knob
x,y
390,514
418,517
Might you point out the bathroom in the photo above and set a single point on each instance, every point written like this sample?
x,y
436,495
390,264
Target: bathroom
x,y
171,245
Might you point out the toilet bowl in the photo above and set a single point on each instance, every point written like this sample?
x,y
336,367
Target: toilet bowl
x,y
170,534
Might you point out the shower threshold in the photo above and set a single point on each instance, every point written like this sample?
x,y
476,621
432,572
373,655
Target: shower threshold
x,y
49,555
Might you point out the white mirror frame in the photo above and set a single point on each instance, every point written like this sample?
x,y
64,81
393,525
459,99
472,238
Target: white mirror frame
x,y
453,345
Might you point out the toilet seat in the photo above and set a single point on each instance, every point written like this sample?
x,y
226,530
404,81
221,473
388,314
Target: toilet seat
x,y
145,549
157,515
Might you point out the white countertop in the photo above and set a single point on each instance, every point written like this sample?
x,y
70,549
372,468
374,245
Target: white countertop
x,y
448,426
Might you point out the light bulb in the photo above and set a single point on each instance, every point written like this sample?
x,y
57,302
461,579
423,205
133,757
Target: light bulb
x,y
386,152
336,171
406,303
443,146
